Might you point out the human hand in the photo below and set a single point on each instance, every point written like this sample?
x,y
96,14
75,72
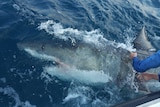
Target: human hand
x,y
133,54
147,76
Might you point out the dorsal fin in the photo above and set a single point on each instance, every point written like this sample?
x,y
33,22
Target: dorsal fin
x,y
142,43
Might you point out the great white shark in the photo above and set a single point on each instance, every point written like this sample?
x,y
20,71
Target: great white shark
x,y
112,60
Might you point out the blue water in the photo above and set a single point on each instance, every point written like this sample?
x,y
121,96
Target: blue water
x,y
21,80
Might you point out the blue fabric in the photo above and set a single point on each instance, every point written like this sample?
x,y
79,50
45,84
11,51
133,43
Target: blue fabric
x,y
159,77
152,61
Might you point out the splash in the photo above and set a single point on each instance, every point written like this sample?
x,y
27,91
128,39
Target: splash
x,y
78,95
94,37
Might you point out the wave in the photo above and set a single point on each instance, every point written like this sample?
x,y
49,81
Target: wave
x,y
148,8
95,22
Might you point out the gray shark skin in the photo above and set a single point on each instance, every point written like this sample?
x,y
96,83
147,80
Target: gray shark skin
x,y
83,56
111,60
142,42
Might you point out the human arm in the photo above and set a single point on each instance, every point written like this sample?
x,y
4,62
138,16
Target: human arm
x,y
149,76
152,61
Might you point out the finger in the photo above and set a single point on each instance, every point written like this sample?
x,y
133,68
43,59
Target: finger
x,y
140,77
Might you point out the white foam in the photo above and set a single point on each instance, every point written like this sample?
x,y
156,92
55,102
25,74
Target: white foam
x,y
83,94
130,81
9,91
127,46
95,37
70,96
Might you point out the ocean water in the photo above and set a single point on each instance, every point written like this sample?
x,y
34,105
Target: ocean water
x,y
32,80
